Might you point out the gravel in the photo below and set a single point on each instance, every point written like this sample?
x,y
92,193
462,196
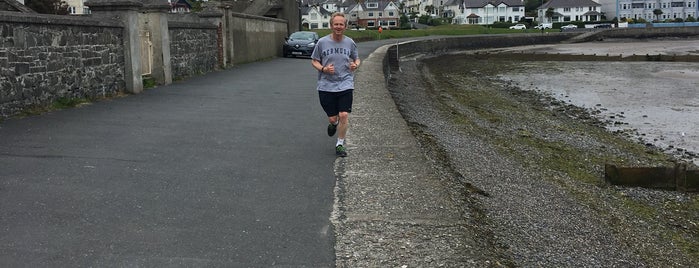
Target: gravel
x,y
483,172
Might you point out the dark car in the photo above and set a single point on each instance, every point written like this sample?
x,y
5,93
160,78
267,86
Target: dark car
x,y
300,44
603,26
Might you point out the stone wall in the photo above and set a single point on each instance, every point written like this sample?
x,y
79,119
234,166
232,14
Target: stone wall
x,y
193,49
640,33
455,43
44,58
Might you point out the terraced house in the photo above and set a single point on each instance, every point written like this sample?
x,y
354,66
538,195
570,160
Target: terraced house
x,y
484,11
644,9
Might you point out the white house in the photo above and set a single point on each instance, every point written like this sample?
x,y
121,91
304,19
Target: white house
x,y
315,17
570,10
485,11
77,7
375,13
643,9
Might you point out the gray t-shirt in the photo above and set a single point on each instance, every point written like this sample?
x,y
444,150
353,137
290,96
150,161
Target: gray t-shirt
x,y
340,54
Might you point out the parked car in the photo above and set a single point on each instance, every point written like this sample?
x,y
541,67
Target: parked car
x,y
544,26
300,44
569,27
604,26
518,26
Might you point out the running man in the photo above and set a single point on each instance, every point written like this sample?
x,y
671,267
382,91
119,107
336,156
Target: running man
x,y
336,58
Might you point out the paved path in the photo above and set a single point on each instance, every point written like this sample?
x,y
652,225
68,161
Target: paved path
x,y
229,169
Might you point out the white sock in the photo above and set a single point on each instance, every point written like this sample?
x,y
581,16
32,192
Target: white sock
x,y
340,142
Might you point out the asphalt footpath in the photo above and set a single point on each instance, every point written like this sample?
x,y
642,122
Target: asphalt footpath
x,y
229,169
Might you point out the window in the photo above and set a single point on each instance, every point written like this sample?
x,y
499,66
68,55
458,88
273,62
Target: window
x,y
370,23
314,25
371,14
515,9
390,14
71,10
566,9
326,25
392,23
372,5
677,4
380,14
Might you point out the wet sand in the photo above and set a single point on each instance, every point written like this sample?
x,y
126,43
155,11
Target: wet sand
x,y
657,102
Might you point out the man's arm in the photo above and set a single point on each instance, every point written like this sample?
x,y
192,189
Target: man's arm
x,y
316,64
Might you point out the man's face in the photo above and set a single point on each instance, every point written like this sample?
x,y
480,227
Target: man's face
x,y
338,25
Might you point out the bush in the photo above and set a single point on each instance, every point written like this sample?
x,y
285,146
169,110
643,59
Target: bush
x,y
424,19
437,21
504,25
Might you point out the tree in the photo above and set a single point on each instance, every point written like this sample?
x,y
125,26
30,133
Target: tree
x,y
530,7
549,13
657,12
57,7
430,9
404,22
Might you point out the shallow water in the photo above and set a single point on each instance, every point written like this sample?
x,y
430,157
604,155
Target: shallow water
x,y
657,101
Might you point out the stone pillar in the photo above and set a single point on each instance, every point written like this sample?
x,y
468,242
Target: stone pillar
x,y
292,14
214,15
155,18
127,12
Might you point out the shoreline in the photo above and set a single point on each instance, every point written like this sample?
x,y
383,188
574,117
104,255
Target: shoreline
x,y
651,102
536,165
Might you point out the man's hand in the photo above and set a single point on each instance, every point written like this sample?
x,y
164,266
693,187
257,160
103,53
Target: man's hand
x,y
330,69
353,65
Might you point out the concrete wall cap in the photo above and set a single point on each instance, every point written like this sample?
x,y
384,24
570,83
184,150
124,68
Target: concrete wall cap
x,y
113,5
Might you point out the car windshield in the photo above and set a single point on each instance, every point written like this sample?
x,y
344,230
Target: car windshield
x,y
301,36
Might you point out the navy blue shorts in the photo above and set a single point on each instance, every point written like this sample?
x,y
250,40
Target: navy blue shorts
x,y
335,102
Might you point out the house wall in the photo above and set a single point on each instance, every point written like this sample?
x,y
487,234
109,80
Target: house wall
x,y
627,9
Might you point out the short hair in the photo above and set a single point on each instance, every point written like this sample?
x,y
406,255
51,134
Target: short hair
x,y
337,14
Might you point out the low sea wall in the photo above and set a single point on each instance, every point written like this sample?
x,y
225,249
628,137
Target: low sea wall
x,y
445,44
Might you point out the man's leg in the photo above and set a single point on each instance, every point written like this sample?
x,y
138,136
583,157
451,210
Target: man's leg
x,y
343,126
342,131
332,125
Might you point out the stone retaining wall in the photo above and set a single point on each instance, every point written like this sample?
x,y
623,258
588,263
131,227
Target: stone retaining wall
x,y
193,49
446,44
45,57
